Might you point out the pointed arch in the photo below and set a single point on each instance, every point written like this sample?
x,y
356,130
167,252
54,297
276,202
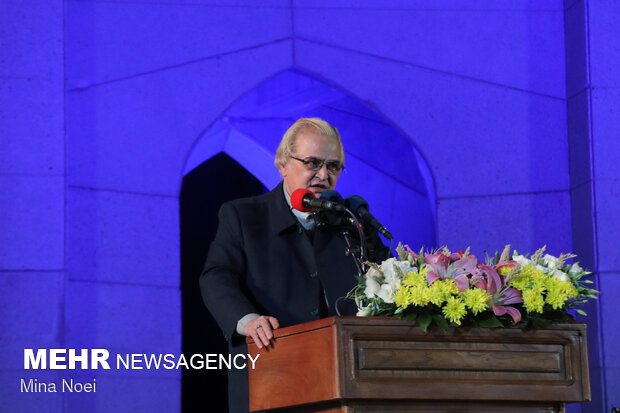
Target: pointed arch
x,y
382,164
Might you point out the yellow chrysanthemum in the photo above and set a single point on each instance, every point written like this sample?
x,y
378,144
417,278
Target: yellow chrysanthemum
x,y
424,270
414,279
533,300
441,290
476,299
530,277
454,310
401,298
558,292
406,296
420,296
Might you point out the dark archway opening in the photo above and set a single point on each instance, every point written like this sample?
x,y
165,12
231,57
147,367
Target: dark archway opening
x,y
204,189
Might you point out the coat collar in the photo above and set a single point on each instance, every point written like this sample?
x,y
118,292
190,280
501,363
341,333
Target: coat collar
x,y
280,214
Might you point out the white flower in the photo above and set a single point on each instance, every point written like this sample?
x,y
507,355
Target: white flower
x,y
544,269
387,267
404,266
372,286
391,276
521,260
386,293
373,273
575,269
561,275
551,261
363,312
390,281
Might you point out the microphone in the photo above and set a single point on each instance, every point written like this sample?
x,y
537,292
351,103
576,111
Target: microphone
x,y
304,200
331,195
360,207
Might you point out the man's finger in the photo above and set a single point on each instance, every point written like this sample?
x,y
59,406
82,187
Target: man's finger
x,y
267,330
250,331
265,325
268,333
261,330
263,336
274,322
257,340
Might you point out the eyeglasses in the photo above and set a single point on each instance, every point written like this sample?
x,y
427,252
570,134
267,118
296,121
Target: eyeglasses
x,y
314,164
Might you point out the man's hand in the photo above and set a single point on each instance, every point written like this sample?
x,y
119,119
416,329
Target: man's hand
x,y
261,330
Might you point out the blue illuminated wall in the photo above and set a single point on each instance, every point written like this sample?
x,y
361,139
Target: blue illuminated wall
x,y
593,99
507,110
32,193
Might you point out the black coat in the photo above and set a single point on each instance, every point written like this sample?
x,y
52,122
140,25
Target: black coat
x,y
262,261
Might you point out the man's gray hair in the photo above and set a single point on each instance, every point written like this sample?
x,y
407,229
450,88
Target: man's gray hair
x,y
316,125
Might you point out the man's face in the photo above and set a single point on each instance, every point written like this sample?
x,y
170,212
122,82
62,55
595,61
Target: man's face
x,y
308,146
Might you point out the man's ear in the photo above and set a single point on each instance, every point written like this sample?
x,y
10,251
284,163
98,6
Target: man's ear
x,y
283,169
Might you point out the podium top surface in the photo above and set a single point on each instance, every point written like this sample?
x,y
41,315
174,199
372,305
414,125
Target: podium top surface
x,y
397,322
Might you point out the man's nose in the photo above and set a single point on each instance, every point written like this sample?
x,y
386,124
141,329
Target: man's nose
x,y
322,173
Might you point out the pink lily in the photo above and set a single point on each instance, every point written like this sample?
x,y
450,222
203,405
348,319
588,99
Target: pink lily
x,y
409,251
500,294
457,255
441,268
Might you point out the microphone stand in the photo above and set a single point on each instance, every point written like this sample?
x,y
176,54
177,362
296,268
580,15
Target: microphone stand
x,y
353,251
357,253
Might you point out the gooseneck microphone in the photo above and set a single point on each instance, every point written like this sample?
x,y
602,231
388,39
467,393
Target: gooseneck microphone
x,y
304,200
331,195
360,207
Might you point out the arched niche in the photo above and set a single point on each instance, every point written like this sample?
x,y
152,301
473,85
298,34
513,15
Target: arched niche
x,y
382,164
202,194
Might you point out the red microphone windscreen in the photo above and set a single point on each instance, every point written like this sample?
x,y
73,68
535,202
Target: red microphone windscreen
x,y
297,199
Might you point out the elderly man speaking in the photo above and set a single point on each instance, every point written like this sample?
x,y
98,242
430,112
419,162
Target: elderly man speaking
x,y
270,265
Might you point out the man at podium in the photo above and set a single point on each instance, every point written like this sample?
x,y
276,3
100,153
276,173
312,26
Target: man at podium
x,y
271,265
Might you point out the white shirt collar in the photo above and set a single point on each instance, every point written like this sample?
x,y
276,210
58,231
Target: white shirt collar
x,y
304,218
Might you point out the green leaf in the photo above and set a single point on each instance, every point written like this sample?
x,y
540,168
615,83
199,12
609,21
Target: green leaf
x,y
411,316
578,311
490,321
425,320
541,322
441,322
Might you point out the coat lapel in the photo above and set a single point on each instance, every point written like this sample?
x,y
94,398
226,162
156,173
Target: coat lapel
x,y
284,224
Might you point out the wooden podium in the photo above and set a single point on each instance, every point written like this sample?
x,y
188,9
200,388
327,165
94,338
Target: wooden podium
x,y
380,364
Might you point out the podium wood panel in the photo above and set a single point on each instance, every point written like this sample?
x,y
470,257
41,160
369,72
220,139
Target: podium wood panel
x,y
302,367
353,364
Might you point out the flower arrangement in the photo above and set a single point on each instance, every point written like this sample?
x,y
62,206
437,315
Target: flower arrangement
x,y
441,287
